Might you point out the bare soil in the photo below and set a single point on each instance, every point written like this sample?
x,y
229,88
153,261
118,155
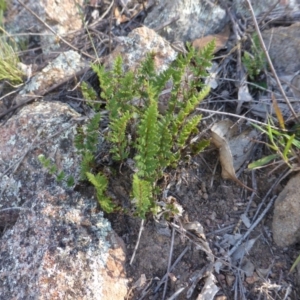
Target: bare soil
x,y
224,204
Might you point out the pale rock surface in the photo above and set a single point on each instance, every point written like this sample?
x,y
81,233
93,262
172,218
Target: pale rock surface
x,y
55,243
140,42
62,68
286,220
195,19
62,16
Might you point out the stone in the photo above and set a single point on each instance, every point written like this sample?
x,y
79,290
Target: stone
x,y
140,42
283,48
62,68
62,16
56,244
261,7
190,19
286,220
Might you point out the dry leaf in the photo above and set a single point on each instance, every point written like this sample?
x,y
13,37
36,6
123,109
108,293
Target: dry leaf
x,y
120,18
220,40
278,112
243,249
210,288
225,138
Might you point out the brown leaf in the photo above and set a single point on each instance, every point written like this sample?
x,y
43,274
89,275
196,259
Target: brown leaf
x,y
278,112
222,132
220,40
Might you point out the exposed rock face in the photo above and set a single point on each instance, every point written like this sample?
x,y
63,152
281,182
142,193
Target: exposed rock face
x,y
55,244
190,19
64,13
262,6
63,16
139,42
286,59
286,220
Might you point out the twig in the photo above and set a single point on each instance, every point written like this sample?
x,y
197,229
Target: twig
x,y
103,15
169,262
12,208
137,242
254,184
269,60
53,31
239,242
177,293
234,115
160,27
171,268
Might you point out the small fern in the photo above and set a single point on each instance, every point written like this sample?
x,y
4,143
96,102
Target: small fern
x,y
53,170
142,195
117,136
254,62
137,129
147,148
100,183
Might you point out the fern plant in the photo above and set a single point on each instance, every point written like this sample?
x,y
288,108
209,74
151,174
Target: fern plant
x,y
137,129
254,62
157,139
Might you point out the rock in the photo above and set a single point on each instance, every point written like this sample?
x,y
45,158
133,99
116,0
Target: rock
x,y
286,220
56,245
263,6
62,68
190,19
283,47
62,16
139,42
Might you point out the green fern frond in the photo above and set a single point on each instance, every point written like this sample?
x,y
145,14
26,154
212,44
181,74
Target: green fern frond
x,y
79,139
205,56
146,143
187,129
87,163
142,193
117,70
165,154
90,95
92,135
117,136
100,182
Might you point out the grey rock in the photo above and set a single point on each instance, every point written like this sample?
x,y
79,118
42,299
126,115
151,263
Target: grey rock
x,y
62,16
56,244
286,220
261,7
62,68
194,19
283,47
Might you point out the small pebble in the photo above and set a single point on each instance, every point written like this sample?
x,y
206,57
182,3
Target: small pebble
x,y
230,280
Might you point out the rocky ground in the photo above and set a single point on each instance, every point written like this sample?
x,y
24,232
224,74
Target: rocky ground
x,y
229,243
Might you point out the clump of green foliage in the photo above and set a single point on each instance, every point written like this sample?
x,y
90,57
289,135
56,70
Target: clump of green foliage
x,y
53,170
285,145
9,69
138,130
255,60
